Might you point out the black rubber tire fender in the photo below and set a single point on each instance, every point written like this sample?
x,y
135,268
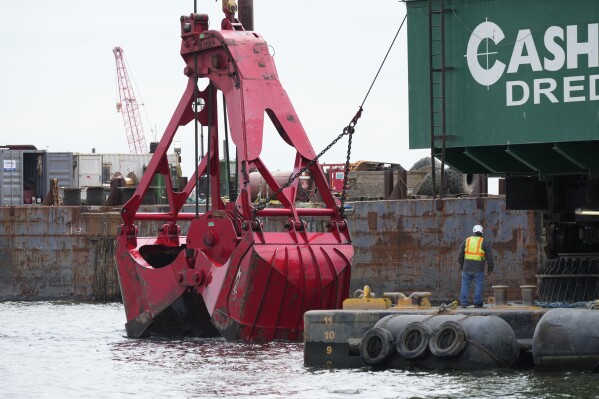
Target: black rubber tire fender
x,y
377,346
448,340
413,342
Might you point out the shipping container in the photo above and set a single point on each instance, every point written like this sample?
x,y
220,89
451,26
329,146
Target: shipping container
x,y
96,170
87,170
59,165
11,178
25,175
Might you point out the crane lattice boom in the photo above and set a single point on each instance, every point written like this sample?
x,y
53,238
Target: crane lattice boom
x,y
128,107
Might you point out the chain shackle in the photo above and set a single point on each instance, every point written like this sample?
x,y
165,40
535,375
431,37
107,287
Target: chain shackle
x,y
357,116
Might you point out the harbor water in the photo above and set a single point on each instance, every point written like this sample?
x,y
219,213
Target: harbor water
x,y
75,350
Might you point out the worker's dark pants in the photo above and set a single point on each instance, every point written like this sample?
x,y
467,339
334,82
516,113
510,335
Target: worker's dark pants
x,y
467,278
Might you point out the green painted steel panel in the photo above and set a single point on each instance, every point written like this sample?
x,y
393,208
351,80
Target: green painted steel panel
x,y
522,83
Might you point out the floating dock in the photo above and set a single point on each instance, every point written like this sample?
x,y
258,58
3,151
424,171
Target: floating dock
x,y
451,337
332,338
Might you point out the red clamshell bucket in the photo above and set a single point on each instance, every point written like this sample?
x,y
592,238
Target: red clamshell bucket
x,y
230,275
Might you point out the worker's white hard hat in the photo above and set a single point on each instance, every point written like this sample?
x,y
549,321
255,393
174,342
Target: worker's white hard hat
x,y
477,229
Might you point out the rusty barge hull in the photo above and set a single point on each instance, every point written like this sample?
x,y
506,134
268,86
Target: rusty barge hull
x,y
67,253
408,245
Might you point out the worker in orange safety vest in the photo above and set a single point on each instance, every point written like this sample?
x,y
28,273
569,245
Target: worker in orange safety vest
x,y
473,254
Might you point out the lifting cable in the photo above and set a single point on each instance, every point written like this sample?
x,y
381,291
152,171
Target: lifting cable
x,y
195,123
348,130
384,59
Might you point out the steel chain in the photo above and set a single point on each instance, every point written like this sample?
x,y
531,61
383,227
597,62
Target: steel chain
x,y
486,350
389,318
480,346
105,223
348,130
447,307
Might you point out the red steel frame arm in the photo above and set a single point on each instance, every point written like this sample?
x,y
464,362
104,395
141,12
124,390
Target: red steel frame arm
x,y
237,63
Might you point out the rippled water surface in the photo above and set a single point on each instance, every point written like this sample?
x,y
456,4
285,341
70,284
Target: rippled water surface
x,y
60,350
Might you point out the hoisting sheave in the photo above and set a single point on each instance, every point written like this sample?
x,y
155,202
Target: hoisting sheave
x,y
229,276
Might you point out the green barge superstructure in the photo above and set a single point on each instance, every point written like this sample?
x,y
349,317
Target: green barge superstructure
x,y
510,89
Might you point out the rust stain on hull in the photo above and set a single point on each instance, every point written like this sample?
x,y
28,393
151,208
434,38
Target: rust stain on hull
x,y
403,245
413,247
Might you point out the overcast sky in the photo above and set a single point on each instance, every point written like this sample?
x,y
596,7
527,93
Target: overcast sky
x,y
58,86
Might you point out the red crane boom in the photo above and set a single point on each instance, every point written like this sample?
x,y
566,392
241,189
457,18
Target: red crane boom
x,y
128,107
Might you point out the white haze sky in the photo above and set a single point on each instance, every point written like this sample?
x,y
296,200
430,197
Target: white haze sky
x,y
58,86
